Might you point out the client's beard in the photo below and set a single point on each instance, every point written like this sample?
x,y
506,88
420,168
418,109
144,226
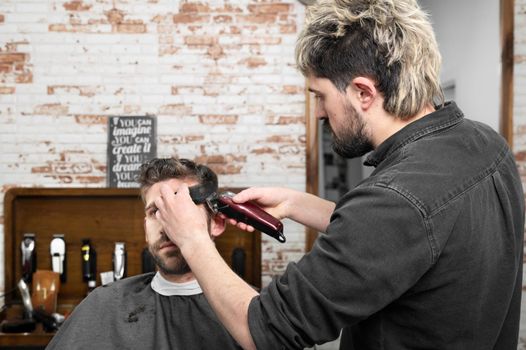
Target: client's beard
x,y
352,140
179,268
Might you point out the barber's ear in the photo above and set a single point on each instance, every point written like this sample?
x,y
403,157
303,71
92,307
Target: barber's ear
x,y
218,225
364,90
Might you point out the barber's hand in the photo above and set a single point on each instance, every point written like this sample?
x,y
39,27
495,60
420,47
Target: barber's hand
x,y
181,219
275,201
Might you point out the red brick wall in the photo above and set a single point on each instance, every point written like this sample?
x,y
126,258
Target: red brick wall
x,y
218,75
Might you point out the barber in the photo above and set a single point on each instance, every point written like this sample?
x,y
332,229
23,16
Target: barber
x,y
426,253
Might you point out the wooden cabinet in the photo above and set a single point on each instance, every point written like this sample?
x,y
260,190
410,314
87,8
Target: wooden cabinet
x,y
103,215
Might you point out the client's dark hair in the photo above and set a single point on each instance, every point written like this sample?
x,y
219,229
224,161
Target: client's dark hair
x,y
161,169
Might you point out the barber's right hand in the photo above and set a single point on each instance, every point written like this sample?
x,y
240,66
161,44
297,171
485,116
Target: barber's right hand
x,y
182,220
274,200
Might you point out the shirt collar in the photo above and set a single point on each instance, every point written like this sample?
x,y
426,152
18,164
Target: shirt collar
x,y
164,287
442,118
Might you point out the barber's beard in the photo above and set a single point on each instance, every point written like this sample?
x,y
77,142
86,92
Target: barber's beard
x,y
171,262
351,139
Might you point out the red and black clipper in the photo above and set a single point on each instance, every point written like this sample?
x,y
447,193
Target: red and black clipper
x,y
248,212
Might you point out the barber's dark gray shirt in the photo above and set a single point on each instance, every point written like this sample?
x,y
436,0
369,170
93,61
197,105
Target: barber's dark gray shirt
x,y
424,254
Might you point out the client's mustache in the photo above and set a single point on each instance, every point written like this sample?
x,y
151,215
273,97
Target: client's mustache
x,y
163,239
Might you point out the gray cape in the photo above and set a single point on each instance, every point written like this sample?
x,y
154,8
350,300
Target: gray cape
x,y
129,314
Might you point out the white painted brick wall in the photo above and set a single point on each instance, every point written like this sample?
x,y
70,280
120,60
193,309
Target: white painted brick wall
x,y
65,66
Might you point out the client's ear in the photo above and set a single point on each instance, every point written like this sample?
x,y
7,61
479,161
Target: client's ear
x,y
217,226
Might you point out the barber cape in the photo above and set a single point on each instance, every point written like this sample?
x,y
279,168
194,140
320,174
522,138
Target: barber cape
x,y
143,312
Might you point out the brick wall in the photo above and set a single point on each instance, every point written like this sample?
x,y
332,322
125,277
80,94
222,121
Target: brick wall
x,y
219,76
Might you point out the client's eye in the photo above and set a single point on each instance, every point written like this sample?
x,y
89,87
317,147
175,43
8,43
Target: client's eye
x,y
151,211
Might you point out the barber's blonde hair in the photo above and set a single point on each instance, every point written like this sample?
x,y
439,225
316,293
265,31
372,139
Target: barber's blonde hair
x,y
389,41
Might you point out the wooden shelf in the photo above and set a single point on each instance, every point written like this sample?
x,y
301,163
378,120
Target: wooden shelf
x,y
105,216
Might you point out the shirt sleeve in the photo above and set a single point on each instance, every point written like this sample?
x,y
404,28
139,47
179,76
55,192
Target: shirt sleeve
x,y
376,247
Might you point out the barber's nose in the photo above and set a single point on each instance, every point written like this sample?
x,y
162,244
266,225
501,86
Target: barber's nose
x,y
319,111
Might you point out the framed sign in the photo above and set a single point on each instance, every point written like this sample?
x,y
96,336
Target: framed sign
x,y
131,142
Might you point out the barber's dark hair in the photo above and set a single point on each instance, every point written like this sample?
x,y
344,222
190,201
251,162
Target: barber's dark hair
x,y
161,169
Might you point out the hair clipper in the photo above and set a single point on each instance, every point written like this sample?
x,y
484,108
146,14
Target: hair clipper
x,y
119,260
248,212
29,256
88,261
23,288
57,249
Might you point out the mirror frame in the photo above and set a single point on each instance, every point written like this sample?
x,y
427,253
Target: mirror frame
x,y
507,22
506,107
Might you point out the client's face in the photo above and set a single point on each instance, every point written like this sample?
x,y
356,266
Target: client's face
x,y
166,254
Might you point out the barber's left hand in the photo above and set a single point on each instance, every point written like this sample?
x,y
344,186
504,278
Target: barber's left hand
x,y
182,220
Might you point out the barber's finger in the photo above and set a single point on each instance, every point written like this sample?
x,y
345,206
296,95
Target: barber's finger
x,y
245,227
245,195
183,190
159,204
183,193
230,221
167,193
